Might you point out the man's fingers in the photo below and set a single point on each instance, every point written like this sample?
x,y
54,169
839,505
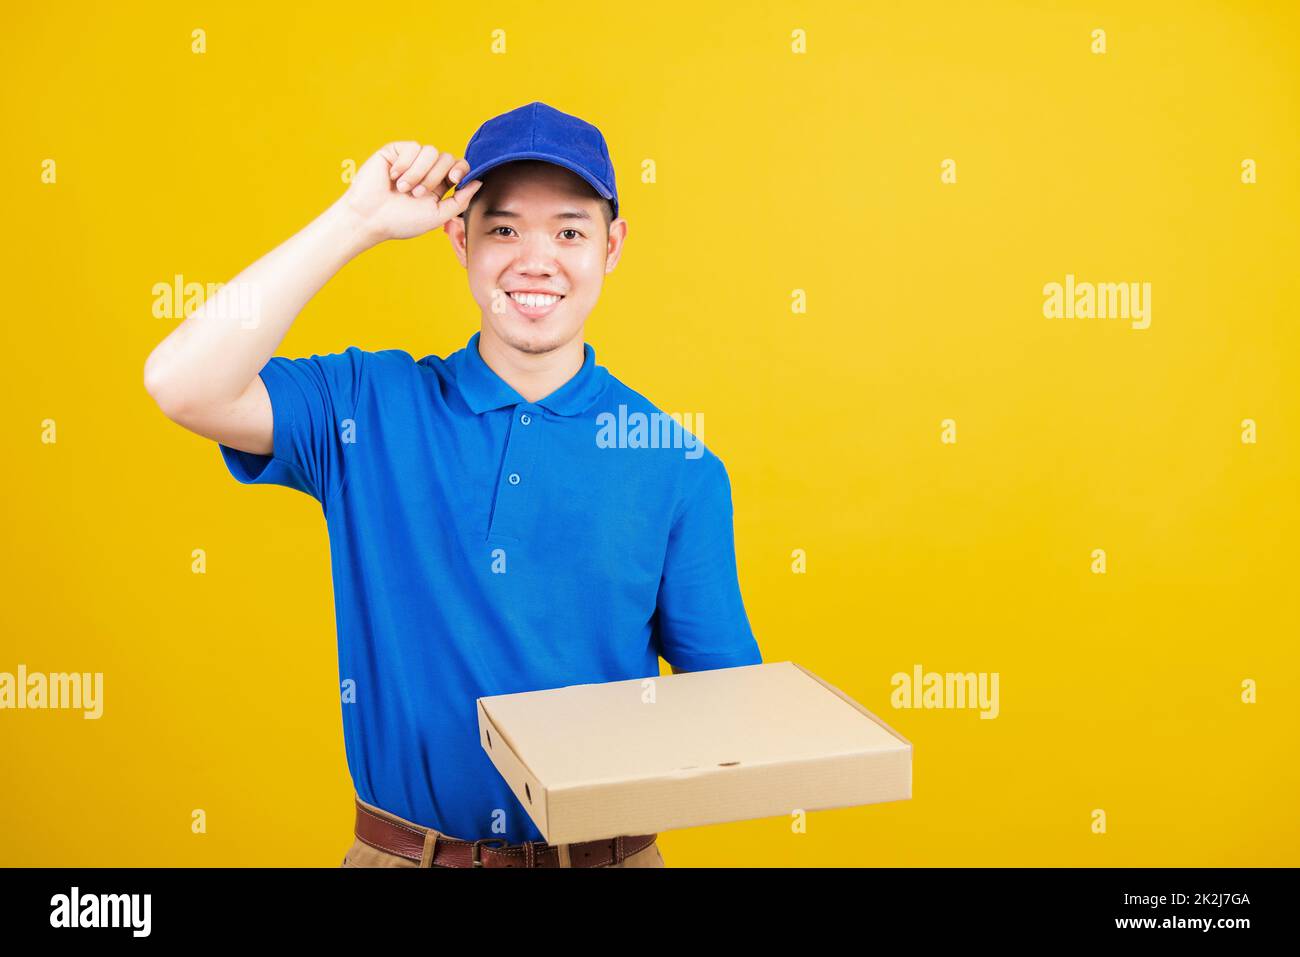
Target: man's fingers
x,y
389,151
418,169
435,180
455,204
399,156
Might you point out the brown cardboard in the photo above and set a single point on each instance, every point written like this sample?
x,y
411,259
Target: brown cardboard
x,y
651,754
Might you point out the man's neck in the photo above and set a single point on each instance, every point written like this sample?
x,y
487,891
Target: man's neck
x,y
533,375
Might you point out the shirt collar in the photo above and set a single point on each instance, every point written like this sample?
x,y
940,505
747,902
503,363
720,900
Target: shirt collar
x,y
484,390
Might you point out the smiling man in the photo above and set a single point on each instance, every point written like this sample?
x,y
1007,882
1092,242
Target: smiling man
x,y
482,540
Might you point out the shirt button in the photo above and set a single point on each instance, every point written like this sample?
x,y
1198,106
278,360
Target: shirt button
x,y
514,478
525,419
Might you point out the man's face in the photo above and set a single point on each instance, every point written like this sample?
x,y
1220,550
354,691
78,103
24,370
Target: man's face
x,y
535,227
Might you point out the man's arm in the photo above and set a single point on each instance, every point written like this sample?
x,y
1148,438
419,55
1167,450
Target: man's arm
x,y
700,619
204,375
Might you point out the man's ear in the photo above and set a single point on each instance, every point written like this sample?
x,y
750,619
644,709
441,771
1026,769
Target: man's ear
x,y
614,243
455,230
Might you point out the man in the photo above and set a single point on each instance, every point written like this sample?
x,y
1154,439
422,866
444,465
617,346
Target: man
x,y
495,524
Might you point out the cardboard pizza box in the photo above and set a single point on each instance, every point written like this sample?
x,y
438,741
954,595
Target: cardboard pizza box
x,y
648,755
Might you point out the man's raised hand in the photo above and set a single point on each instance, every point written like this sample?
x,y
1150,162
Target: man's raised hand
x,y
399,191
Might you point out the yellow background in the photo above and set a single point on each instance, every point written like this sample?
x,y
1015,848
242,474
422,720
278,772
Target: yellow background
x,y
775,172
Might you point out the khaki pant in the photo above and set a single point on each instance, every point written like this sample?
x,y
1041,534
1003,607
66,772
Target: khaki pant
x,y
363,855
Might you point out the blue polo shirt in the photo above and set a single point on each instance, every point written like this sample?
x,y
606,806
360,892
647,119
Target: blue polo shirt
x,y
482,544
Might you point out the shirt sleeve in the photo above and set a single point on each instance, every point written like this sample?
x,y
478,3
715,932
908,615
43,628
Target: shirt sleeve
x,y
701,620
313,401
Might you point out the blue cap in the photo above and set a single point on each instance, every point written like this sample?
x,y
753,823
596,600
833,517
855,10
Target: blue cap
x,y
541,132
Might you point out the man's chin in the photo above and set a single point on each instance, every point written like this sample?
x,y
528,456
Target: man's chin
x,y
533,340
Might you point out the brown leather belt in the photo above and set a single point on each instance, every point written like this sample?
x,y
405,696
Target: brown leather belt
x,y
409,842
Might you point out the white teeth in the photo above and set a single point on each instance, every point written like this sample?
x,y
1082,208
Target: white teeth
x,y
534,300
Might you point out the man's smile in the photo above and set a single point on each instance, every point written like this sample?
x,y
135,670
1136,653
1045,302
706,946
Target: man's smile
x,y
535,305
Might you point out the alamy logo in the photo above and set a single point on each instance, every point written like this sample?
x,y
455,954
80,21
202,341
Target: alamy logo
x,y
237,299
102,910
654,430
83,690
1101,300
933,689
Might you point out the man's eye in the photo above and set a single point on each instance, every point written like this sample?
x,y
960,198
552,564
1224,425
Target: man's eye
x,y
576,234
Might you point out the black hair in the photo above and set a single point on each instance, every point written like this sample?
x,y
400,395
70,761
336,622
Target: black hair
x,y
606,207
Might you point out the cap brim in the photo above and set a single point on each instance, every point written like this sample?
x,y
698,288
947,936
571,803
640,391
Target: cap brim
x,y
478,171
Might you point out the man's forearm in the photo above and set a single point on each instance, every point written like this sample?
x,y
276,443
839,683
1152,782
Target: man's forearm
x,y
213,355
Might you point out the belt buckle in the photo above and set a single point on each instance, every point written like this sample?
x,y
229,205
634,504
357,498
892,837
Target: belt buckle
x,y
474,853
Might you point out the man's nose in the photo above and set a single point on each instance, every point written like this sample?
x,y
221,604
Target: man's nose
x,y
536,254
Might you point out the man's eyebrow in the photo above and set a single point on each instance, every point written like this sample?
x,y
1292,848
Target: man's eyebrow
x,y
564,214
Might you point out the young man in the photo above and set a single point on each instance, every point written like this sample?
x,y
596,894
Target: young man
x,y
500,520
